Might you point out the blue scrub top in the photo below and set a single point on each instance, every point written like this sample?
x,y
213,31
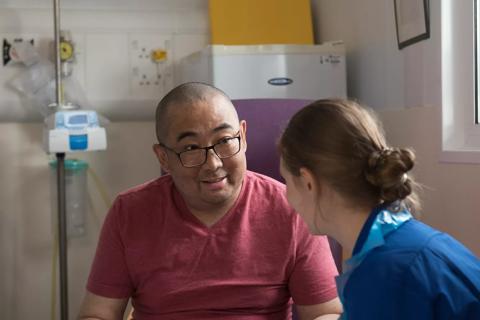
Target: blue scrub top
x,y
416,273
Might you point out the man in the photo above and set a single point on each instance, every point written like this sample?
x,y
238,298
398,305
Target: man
x,y
210,239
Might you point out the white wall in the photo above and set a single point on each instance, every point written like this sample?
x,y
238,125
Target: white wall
x,y
26,238
405,88
108,38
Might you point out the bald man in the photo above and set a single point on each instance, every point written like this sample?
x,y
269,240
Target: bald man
x,y
209,240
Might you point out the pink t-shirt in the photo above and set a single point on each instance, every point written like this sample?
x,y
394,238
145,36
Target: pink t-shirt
x,y
246,266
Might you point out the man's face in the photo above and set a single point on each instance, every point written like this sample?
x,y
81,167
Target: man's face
x,y
218,181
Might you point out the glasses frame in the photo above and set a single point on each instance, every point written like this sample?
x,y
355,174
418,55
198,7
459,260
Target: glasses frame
x,y
211,147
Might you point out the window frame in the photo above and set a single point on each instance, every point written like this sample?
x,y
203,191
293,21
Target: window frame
x,y
460,128
476,10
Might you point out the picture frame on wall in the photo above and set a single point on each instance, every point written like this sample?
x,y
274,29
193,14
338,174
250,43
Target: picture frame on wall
x,y
412,21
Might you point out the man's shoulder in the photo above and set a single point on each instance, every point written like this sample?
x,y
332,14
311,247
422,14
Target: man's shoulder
x,y
266,194
156,187
262,182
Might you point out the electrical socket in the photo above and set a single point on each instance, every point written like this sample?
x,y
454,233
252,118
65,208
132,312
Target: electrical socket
x,y
150,79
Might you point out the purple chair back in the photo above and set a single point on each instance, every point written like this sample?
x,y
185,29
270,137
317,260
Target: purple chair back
x,y
266,119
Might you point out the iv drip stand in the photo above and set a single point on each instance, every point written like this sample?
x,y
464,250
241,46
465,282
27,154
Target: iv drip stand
x,y
62,220
62,239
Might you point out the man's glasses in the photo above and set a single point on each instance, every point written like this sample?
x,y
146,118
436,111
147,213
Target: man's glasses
x,y
225,148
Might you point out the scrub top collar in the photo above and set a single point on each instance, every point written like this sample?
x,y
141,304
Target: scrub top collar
x,y
383,219
362,237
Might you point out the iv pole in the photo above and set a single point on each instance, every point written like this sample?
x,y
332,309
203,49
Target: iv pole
x,y
62,221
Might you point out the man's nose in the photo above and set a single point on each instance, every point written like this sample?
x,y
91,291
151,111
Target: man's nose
x,y
213,161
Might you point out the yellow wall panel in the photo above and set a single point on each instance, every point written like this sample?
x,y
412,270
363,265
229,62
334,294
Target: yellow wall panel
x,y
261,22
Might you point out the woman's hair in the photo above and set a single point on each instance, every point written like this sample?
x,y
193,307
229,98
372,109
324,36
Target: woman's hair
x,y
343,143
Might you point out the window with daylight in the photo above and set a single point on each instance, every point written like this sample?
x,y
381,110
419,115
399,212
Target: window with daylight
x,y
460,29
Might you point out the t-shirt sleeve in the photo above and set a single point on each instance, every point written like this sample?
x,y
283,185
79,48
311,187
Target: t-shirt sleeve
x,y
109,275
312,280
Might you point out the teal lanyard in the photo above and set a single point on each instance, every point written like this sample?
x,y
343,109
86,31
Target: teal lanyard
x,y
388,219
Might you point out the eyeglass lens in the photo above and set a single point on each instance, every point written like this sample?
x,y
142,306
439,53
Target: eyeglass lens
x,y
224,149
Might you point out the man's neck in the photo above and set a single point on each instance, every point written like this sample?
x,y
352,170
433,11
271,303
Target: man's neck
x,y
211,213
211,217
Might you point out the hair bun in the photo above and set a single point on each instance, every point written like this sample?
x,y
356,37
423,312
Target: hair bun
x,y
377,158
387,170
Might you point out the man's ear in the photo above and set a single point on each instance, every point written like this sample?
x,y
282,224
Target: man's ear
x,y
243,134
161,156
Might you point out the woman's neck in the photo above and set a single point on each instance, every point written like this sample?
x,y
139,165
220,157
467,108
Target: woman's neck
x,y
347,227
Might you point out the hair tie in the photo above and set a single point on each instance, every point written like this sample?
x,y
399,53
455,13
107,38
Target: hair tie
x,y
404,178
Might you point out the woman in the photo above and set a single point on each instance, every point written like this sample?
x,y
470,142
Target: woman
x,y
346,182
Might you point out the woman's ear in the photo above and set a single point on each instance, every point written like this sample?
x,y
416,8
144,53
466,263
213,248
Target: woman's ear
x,y
161,156
308,180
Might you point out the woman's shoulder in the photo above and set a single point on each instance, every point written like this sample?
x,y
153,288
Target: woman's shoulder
x,y
430,247
424,259
417,243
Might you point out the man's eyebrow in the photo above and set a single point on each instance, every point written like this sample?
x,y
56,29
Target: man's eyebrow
x,y
186,134
223,126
